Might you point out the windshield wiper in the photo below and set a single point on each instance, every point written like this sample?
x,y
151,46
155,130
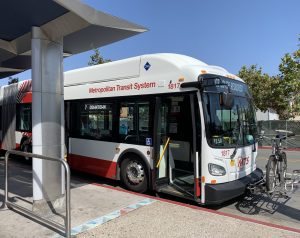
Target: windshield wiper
x,y
239,124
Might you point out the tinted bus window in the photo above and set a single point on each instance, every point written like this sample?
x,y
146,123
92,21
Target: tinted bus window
x,y
134,123
95,120
127,123
24,122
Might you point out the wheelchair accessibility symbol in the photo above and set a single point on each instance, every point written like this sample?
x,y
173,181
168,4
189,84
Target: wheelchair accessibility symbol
x,y
148,141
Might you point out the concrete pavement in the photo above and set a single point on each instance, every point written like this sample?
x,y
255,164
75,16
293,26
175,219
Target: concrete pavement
x,y
162,219
87,202
107,211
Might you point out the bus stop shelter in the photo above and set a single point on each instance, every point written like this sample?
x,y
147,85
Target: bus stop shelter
x,y
37,35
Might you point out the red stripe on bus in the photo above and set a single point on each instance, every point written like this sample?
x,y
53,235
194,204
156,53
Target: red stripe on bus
x,y
103,168
198,190
27,98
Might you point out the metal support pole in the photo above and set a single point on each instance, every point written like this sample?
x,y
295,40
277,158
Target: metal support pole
x,y
68,200
47,120
6,182
32,214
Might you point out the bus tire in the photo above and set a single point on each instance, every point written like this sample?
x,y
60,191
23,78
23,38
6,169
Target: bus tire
x,y
26,147
134,174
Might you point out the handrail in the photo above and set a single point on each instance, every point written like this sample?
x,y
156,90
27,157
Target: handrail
x,y
30,213
164,150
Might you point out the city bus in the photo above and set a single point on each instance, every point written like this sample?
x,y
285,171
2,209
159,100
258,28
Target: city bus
x,y
163,122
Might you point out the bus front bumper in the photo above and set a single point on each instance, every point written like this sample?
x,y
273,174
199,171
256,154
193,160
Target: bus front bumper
x,y
219,193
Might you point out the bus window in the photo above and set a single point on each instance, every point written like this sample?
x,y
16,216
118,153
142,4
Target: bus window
x,y
228,127
144,126
143,118
178,112
127,123
134,123
23,117
95,120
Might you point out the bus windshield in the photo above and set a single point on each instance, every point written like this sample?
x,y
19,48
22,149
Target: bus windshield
x,y
229,127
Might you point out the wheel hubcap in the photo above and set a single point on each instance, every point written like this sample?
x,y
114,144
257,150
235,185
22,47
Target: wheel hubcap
x,y
135,172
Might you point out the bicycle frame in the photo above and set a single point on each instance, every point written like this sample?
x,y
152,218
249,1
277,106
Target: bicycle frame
x,y
277,153
277,163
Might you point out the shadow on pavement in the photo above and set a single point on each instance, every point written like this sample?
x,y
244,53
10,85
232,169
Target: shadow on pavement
x,y
262,204
20,180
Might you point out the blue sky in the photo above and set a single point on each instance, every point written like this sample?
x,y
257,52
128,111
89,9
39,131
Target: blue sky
x,y
227,33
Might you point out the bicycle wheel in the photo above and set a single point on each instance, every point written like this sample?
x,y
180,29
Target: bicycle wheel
x,y
284,165
272,178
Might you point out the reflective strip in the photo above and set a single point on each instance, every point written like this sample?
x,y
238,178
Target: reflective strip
x,y
198,190
203,189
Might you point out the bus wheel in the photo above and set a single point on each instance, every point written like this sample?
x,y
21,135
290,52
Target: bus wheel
x,y
134,174
26,147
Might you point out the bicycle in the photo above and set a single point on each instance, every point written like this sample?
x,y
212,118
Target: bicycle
x,y
276,168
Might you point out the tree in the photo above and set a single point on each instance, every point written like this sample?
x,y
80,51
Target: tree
x,y
290,79
267,91
12,80
96,58
277,99
279,92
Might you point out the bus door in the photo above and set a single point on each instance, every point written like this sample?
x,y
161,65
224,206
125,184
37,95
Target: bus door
x,y
175,145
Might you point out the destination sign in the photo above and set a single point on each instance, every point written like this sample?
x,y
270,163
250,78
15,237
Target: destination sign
x,y
221,84
93,107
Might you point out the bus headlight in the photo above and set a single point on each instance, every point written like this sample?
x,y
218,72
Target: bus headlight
x,y
216,170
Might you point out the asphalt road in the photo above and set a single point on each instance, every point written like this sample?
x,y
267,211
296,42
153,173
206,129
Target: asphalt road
x,y
278,209
293,159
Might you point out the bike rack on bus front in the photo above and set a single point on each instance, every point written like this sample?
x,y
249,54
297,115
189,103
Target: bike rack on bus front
x,y
31,214
257,187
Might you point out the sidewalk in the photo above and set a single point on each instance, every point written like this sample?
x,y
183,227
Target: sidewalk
x,y
104,211
161,219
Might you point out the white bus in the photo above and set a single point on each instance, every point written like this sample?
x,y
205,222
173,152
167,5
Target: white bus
x,y
165,122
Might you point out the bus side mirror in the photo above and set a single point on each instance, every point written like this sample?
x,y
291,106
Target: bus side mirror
x,y
226,100
251,140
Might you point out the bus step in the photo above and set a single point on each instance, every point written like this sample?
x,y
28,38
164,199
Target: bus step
x,y
171,190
